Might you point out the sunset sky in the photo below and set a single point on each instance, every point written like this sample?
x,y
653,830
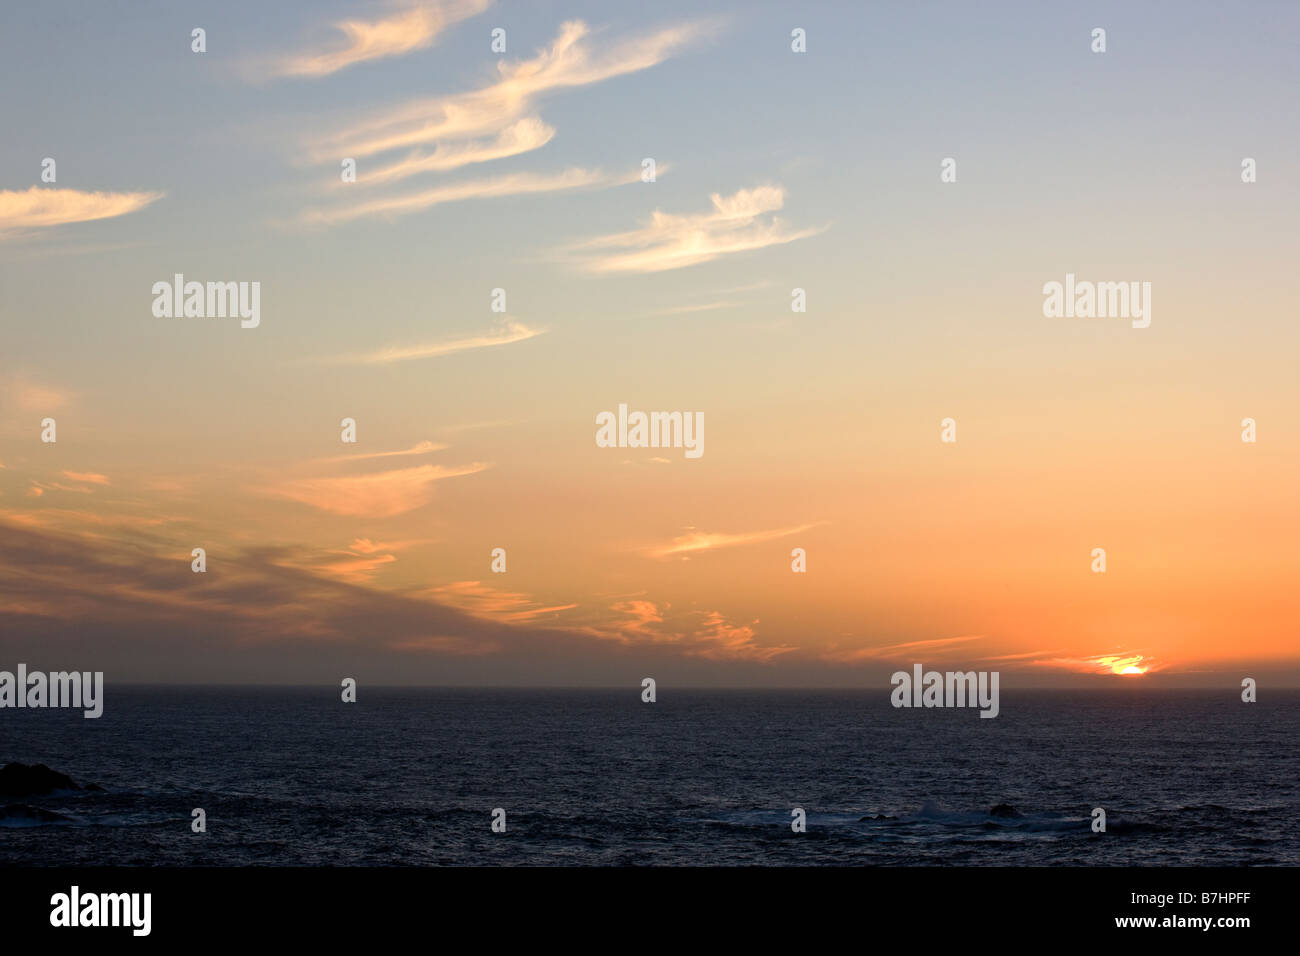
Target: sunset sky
x,y
775,170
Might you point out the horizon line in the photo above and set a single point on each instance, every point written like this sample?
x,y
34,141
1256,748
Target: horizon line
x,y
707,687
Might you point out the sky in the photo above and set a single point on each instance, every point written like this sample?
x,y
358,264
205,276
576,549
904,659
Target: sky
x,y
524,171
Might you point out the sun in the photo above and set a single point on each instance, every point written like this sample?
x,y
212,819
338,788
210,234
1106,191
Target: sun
x,y
1132,669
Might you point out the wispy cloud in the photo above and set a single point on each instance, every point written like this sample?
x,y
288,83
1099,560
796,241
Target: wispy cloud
x,y
640,617
38,488
740,222
492,122
37,208
1026,655
704,634
517,184
379,495
88,477
696,541
716,638
366,546
357,568
512,332
891,651
493,604
358,563
419,448
69,520
698,307
524,136
569,62
406,30
37,398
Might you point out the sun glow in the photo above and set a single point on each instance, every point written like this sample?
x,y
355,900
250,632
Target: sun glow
x,y
1132,669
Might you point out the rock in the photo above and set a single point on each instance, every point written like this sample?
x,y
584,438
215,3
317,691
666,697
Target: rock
x,y
20,811
878,816
1005,810
20,780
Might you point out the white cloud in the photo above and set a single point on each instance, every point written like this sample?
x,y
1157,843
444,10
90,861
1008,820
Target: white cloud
x,y
569,62
737,223
510,333
37,208
513,185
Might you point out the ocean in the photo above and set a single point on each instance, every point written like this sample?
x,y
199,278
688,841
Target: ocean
x,y
295,777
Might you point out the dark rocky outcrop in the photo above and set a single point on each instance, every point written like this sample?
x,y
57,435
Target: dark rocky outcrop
x,y
20,780
1005,810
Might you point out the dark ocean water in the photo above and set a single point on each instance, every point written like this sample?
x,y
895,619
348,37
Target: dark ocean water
x,y
295,777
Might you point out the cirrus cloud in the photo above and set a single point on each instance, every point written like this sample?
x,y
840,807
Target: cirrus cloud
x,y
510,333
38,208
736,223
569,62
517,184
378,495
405,31
712,541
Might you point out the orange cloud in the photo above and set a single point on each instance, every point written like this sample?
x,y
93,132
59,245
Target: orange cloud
x,y
39,488
712,541
357,569
475,598
366,546
894,650
379,495
356,564
643,617
65,519
38,398
413,29
419,448
718,639
705,634
89,477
